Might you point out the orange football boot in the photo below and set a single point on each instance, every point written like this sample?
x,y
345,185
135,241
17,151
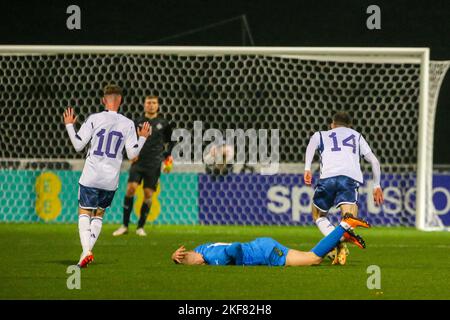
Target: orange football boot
x,y
86,260
355,222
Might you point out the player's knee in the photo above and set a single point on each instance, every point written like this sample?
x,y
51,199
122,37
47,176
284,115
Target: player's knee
x,y
131,190
316,213
319,215
148,193
315,260
99,212
148,201
349,209
88,212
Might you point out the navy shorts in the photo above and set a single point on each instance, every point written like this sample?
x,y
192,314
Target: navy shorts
x,y
149,175
93,198
335,191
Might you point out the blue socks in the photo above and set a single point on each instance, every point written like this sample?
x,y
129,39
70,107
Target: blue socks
x,y
329,242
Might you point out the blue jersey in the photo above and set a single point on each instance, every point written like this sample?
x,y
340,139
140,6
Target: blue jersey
x,y
261,251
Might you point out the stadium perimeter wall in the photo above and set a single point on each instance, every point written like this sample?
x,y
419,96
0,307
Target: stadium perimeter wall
x,y
192,198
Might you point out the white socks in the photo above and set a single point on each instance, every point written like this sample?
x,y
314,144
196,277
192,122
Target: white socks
x,y
89,230
345,225
84,228
324,225
96,228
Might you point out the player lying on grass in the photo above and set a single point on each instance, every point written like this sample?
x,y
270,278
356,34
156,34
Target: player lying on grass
x,y
340,150
267,251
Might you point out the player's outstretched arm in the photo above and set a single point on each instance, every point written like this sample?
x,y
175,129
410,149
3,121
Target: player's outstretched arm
x,y
376,171
80,139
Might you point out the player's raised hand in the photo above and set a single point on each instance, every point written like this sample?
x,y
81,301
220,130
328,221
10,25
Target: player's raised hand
x,y
69,116
145,131
378,196
179,254
134,159
307,177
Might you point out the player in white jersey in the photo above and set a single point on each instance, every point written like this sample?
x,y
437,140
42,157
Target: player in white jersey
x,y
340,150
108,133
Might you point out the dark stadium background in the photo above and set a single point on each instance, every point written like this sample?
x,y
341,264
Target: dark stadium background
x,y
405,23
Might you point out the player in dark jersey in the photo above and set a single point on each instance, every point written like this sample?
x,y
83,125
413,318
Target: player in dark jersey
x,y
147,166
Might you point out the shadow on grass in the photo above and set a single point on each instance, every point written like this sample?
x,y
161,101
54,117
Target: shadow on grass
x,y
74,262
63,262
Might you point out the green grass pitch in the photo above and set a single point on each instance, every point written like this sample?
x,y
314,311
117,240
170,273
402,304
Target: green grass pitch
x,y
414,265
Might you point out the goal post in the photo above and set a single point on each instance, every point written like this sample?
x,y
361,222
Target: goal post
x,y
392,93
435,72
424,186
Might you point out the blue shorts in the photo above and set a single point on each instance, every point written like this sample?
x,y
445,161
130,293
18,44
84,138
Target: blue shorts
x,y
335,191
93,198
274,252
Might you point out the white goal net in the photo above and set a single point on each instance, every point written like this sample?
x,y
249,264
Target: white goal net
x,y
391,94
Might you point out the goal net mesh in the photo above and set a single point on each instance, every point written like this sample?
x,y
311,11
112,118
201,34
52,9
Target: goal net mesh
x,y
293,94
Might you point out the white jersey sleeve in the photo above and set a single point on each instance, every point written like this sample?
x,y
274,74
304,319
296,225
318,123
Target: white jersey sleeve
x,y
313,144
81,138
376,170
364,148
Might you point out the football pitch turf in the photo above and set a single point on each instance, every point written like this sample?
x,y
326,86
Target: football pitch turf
x,y
35,257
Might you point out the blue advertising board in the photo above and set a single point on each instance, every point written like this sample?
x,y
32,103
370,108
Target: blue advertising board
x,y
285,200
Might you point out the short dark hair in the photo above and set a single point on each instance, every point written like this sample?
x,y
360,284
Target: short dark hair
x,y
342,118
151,96
112,89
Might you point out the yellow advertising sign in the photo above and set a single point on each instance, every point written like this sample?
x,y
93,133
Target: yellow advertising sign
x,y
48,205
156,205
